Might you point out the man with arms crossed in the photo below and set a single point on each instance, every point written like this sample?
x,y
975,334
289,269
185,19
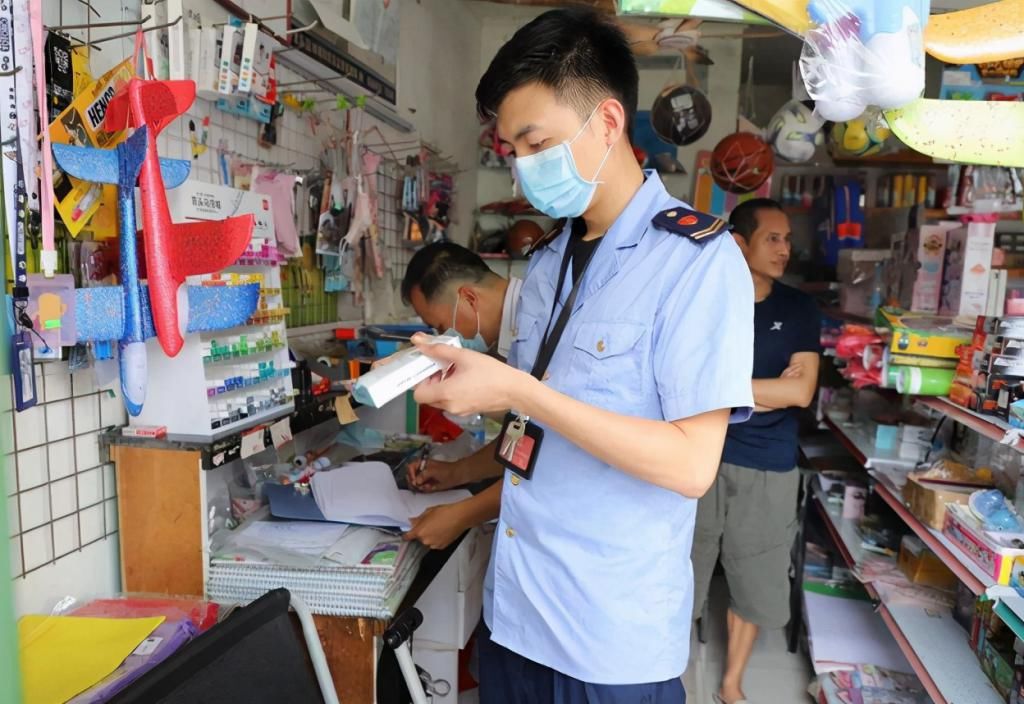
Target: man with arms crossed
x,y
633,353
748,518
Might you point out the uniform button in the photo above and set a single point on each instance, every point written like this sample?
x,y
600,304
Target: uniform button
x,y
515,480
600,345
510,533
671,213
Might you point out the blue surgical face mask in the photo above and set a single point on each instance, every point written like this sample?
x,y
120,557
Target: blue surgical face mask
x,y
475,343
552,183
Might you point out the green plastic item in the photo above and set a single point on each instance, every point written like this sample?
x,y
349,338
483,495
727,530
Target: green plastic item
x,y
986,132
721,10
10,689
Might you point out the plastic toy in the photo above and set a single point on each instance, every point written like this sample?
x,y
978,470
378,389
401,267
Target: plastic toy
x,y
990,32
173,251
863,52
95,307
859,138
795,132
970,132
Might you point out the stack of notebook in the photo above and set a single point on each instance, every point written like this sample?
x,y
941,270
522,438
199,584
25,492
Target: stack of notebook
x,y
365,573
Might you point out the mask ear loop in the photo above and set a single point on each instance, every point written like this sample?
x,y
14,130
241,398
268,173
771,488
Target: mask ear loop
x,y
592,181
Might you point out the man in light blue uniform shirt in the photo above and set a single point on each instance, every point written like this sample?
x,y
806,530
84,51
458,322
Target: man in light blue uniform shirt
x,y
624,382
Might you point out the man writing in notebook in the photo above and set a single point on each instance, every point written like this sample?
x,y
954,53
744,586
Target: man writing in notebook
x,y
633,355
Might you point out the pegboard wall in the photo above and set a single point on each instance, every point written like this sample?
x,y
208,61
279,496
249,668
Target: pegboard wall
x,y
61,492
60,488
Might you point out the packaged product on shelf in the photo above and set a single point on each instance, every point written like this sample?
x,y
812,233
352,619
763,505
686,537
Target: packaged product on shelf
x,y
922,566
929,244
968,261
996,554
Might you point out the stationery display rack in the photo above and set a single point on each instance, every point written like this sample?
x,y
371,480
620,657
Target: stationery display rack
x,y
224,381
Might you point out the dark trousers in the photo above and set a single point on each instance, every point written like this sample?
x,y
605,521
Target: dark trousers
x,y
508,678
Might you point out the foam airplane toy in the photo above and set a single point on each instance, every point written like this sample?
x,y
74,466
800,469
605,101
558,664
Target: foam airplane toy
x,y
173,250
124,312
979,132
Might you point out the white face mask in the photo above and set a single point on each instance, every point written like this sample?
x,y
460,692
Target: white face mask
x,y
475,343
552,183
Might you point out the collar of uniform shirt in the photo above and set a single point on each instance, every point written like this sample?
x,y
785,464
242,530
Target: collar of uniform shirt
x,y
624,232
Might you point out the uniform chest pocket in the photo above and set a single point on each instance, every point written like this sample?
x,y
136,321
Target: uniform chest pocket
x,y
525,342
612,356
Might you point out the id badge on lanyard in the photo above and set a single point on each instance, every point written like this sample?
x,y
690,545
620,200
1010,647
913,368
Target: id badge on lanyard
x,y
520,439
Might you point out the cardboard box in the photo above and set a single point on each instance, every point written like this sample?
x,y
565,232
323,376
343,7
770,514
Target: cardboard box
x,y
996,560
927,500
922,566
925,335
968,263
929,241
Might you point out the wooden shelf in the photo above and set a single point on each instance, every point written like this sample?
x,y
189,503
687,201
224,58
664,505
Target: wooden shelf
x,y
908,158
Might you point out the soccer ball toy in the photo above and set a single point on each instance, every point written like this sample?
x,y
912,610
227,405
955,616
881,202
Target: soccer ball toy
x,y
859,138
795,132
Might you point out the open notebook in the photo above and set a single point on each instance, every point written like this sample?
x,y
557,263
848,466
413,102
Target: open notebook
x,y
365,493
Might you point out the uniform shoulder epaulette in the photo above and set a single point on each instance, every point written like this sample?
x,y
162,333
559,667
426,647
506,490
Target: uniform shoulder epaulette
x,y
699,227
548,236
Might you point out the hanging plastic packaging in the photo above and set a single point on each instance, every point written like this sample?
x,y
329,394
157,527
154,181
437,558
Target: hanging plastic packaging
x,y
862,53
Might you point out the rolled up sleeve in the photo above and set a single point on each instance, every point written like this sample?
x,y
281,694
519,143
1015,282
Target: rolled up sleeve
x,y
704,337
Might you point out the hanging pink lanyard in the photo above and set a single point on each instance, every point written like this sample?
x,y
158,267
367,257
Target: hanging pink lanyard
x,y
48,257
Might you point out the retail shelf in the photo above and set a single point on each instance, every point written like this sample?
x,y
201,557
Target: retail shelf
x,y
858,438
322,327
934,644
938,650
989,426
962,566
837,314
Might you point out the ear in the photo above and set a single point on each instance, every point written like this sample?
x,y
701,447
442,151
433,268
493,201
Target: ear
x,y
470,295
613,120
742,242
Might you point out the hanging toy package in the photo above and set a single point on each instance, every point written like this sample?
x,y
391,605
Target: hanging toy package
x,y
863,53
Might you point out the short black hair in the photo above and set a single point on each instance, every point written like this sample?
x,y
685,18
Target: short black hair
x,y
744,216
437,264
582,55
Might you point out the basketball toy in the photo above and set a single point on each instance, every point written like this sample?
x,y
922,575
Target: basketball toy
x,y
741,162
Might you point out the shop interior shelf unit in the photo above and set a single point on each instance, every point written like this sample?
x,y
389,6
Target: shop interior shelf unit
x,y
989,426
936,648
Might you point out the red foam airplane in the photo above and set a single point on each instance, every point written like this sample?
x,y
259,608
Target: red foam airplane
x,y
173,250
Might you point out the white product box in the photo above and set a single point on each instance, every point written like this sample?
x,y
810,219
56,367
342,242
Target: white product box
x,y
402,372
965,280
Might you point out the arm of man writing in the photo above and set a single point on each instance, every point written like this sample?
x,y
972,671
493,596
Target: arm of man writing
x,y
794,389
437,527
440,476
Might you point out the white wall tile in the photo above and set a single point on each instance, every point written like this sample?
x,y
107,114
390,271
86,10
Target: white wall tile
x,y
64,497
83,382
35,508
62,458
38,548
109,481
32,468
6,428
87,413
15,555
13,516
65,535
90,487
112,410
58,420
87,450
111,508
40,390
30,426
58,384
10,476
91,520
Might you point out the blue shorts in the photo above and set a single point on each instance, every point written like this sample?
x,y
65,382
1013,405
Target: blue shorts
x,y
508,678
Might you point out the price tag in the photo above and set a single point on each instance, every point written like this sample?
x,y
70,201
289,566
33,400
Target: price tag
x,y
252,443
281,432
